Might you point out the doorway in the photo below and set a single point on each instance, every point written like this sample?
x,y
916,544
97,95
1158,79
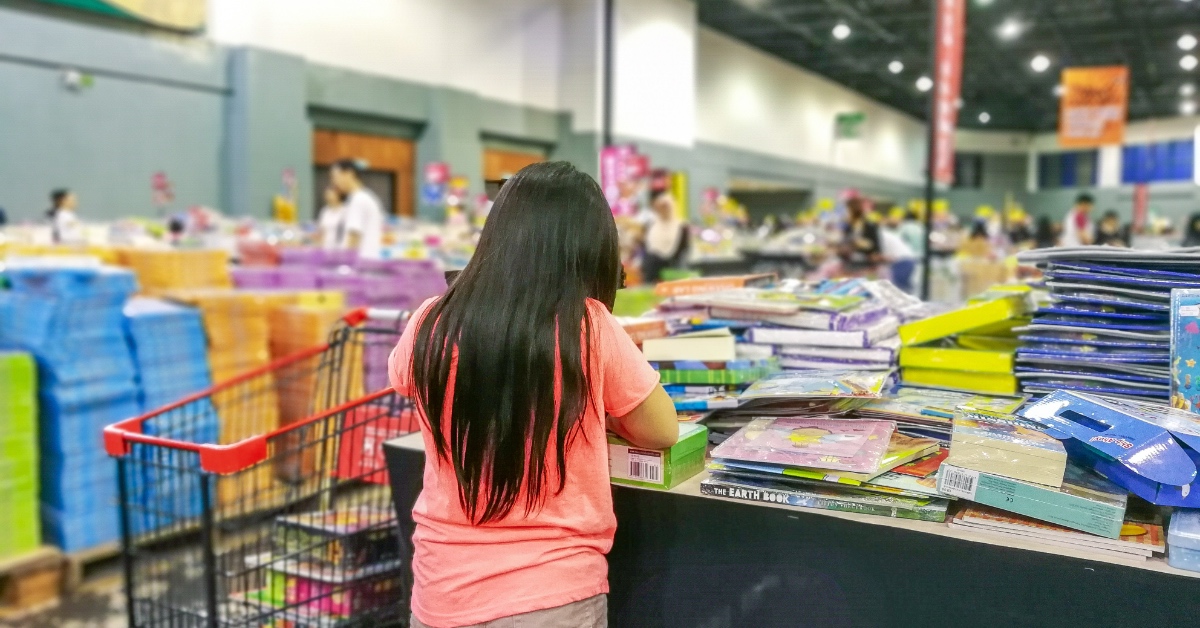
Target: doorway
x,y
390,167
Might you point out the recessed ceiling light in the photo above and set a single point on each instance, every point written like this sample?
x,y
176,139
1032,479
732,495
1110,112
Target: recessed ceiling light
x,y
985,117
1060,89
1040,63
924,83
896,67
1187,42
1187,90
1188,107
841,31
1009,29
1188,62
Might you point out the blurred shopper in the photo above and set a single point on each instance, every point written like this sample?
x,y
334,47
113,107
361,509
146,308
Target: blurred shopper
x,y
363,217
901,258
666,239
1077,229
64,223
1045,236
860,248
332,220
1191,236
1110,232
1019,232
912,231
979,244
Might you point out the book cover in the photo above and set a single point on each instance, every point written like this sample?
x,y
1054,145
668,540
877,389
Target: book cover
x,y
883,351
1003,446
901,449
887,506
643,329
982,383
705,401
819,384
950,355
836,444
1136,537
933,403
733,372
1185,350
700,285
791,363
926,486
1085,501
924,467
964,319
756,302
708,345
862,338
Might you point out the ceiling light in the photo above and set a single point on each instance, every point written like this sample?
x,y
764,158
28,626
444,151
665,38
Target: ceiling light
x,y
1009,29
896,67
1188,62
841,31
1040,63
1060,89
1187,107
985,117
924,83
1187,90
1187,42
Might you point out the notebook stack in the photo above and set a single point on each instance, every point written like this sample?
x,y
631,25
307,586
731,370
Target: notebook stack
x,y
929,412
969,349
173,269
69,316
169,350
1107,329
823,463
20,529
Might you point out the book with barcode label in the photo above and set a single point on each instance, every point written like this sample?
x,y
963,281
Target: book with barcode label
x,y
920,509
663,469
1085,501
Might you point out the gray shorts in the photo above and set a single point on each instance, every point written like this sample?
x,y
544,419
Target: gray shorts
x,y
589,613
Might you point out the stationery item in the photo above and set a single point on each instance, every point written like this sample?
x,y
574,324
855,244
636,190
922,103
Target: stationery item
x,y
1097,311
1092,340
932,403
1085,321
1113,279
1150,370
708,345
821,384
703,402
1151,450
664,469
751,351
882,351
1098,354
1119,291
1162,271
866,503
1099,330
756,302
1095,381
840,445
1184,539
790,363
970,318
1185,349
1109,254
685,389
643,329
925,466
1085,501
860,338
731,372
343,539
1002,446
976,354
1138,540
1103,300
982,383
854,318
908,485
700,285
901,449
1085,370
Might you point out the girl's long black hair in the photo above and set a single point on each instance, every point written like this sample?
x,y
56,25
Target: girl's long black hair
x,y
512,318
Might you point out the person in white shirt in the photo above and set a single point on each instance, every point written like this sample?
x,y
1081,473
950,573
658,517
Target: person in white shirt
x,y
64,224
1077,227
900,256
363,217
666,238
332,220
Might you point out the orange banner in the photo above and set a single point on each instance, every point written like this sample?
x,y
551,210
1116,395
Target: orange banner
x,y
1094,105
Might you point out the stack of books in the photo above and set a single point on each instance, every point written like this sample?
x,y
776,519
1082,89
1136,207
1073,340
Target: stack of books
x,y
833,464
21,531
1138,540
160,270
969,349
68,314
1107,329
169,350
929,412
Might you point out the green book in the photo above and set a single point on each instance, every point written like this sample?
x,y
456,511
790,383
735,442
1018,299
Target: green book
x,y
930,509
663,468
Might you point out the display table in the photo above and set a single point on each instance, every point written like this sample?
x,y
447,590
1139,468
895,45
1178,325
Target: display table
x,y
688,560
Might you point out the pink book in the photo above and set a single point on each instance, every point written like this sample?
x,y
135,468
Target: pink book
x,y
838,444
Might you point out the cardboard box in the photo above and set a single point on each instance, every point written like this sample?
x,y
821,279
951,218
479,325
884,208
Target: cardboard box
x,y
665,468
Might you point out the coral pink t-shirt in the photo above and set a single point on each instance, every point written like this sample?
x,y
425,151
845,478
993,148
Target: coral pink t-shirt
x,y
468,574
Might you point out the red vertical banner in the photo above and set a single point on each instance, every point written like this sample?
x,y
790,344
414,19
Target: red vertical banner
x,y
1141,206
948,57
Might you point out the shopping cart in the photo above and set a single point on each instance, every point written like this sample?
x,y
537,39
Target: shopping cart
x,y
264,501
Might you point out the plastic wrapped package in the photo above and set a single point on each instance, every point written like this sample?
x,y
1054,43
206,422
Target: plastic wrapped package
x,y
1183,540
843,445
1006,446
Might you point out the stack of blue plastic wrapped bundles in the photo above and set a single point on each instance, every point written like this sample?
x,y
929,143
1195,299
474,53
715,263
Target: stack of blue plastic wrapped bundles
x,y
171,355
70,319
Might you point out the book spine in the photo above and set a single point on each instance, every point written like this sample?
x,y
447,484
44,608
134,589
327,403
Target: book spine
x,y
784,498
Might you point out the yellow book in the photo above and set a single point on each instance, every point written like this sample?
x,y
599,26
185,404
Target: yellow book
x,y
982,383
965,319
969,353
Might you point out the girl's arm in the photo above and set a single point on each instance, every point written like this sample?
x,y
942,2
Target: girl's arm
x,y
651,425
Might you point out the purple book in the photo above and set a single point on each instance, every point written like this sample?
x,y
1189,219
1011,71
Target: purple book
x,y
838,444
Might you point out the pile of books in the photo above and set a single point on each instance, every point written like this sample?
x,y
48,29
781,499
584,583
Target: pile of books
x,y
169,350
68,314
834,464
160,270
1107,329
21,531
970,348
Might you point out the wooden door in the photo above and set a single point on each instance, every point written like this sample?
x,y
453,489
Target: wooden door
x,y
500,164
385,154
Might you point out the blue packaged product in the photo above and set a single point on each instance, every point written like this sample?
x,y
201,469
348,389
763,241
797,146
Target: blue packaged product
x,y
1183,540
73,534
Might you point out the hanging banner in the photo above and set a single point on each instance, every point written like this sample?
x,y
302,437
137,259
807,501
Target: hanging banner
x,y
1141,206
622,175
1094,105
948,52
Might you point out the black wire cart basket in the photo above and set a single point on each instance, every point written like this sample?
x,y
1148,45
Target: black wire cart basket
x,y
263,501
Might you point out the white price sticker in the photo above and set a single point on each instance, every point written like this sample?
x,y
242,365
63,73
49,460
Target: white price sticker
x,y
1189,310
958,482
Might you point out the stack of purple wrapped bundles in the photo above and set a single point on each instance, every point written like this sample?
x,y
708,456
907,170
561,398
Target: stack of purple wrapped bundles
x,y
401,284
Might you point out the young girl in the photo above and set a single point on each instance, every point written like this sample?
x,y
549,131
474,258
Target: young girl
x,y
514,371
